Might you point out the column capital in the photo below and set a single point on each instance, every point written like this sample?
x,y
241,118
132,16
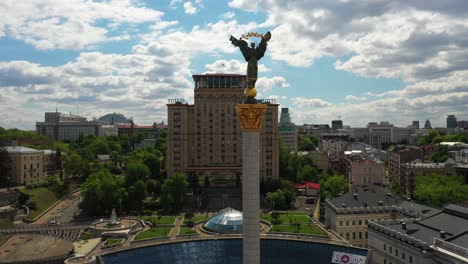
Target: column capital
x,y
251,116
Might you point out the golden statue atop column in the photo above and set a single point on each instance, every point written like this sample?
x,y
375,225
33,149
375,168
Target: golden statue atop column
x,y
252,55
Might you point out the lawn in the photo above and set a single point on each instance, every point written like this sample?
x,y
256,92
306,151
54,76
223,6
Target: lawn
x,y
43,198
112,241
187,231
85,236
196,218
160,219
5,223
303,229
288,218
153,232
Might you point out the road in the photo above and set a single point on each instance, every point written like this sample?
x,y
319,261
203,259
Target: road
x,y
63,211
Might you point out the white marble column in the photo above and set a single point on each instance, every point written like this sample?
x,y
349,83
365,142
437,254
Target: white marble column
x,y
251,197
251,117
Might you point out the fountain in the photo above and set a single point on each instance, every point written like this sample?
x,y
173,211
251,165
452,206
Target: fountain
x,y
113,226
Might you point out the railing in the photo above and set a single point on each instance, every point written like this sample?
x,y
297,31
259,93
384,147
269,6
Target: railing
x,y
177,101
45,228
266,101
449,246
380,226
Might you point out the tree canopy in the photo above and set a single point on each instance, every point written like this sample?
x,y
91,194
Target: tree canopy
x,y
308,143
173,192
437,190
333,186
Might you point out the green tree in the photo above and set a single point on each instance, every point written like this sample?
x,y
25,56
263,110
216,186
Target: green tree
x,y
308,173
173,192
282,199
307,143
153,186
154,165
333,186
136,171
140,195
441,155
74,165
100,194
115,157
437,190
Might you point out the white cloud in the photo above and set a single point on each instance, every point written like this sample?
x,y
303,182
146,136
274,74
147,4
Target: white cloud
x,y
355,98
392,39
265,84
190,9
228,15
138,84
174,3
74,24
424,45
212,39
247,5
302,102
231,66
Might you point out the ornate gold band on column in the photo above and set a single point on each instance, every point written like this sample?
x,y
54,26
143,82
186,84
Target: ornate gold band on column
x,y
251,116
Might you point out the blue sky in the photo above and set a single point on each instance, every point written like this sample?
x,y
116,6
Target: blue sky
x,y
363,60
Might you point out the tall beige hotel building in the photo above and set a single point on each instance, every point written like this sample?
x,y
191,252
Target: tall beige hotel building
x,y
204,138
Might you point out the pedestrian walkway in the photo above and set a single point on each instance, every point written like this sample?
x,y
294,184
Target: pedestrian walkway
x,y
176,228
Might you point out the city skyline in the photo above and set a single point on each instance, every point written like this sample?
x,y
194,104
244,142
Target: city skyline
x,y
394,61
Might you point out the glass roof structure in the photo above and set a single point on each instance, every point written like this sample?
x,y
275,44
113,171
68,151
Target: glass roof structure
x,y
226,221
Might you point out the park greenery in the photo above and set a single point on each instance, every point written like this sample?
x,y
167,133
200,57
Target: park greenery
x,y
309,143
437,190
295,168
158,219
433,137
332,186
155,232
113,241
291,222
40,199
85,235
186,231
